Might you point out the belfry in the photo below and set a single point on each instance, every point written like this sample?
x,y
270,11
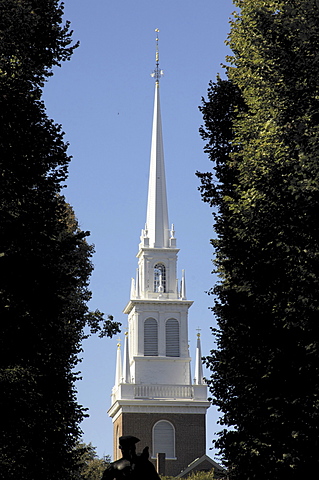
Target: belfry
x,y
154,397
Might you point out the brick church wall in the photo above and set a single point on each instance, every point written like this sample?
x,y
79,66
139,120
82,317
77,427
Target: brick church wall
x,y
190,436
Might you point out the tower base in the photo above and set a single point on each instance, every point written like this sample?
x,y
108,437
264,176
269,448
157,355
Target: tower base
x,y
189,436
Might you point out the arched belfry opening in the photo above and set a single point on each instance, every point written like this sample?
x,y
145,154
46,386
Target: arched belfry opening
x,y
159,278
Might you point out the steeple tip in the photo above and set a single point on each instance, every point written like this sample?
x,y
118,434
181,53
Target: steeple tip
x,y
158,73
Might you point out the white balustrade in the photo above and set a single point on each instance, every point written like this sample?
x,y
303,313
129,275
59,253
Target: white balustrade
x,y
163,391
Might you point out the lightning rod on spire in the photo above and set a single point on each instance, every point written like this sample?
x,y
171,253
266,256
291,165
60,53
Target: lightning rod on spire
x,y
157,74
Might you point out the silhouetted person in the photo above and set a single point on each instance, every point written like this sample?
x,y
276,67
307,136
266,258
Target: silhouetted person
x,y
131,466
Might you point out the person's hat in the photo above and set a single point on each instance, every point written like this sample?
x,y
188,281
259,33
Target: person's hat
x,y
127,441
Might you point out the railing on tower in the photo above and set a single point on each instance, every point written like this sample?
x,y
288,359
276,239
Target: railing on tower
x,y
131,391
163,391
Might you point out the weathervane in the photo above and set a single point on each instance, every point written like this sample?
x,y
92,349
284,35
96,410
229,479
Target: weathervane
x,y
157,74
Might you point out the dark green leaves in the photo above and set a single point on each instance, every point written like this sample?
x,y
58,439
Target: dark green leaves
x,y
45,260
261,132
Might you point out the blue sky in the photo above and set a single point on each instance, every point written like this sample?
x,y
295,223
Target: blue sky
x,y
103,98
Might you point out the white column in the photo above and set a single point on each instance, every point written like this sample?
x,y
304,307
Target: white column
x,y
126,362
118,370
198,380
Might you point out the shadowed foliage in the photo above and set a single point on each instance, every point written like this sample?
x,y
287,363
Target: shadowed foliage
x,y
45,260
261,131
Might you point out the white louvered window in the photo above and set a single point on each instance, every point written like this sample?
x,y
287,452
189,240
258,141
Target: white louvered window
x,y
150,337
159,278
172,338
164,439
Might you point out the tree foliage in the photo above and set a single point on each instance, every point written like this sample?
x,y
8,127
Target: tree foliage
x,y
91,467
45,260
261,131
198,475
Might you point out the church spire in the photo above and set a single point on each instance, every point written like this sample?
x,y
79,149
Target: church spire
x,y
157,212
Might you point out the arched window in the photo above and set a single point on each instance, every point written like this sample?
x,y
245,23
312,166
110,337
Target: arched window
x,y
150,337
164,439
117,443
172,338
159,278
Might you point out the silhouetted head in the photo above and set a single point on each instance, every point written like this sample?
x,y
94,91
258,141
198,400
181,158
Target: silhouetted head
x,y
128,445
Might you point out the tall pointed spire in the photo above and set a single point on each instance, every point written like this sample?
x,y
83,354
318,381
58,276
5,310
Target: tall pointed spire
x,y
157,212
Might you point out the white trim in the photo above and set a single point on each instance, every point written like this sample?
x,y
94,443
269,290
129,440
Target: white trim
x,y
151,302
157,406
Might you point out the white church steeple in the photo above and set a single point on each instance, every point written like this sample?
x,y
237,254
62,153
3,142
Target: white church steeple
x,y
155,396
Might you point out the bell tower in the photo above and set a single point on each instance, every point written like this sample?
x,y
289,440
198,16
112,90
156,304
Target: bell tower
x,y
154,397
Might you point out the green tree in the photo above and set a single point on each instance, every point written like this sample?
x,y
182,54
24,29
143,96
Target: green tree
x,y
261,132
45,261
199,475
91,467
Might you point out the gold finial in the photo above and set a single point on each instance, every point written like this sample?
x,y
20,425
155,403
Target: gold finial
x,y
119,343
198,329
157,72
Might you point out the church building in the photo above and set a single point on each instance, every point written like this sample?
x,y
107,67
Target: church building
x,y
155,397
